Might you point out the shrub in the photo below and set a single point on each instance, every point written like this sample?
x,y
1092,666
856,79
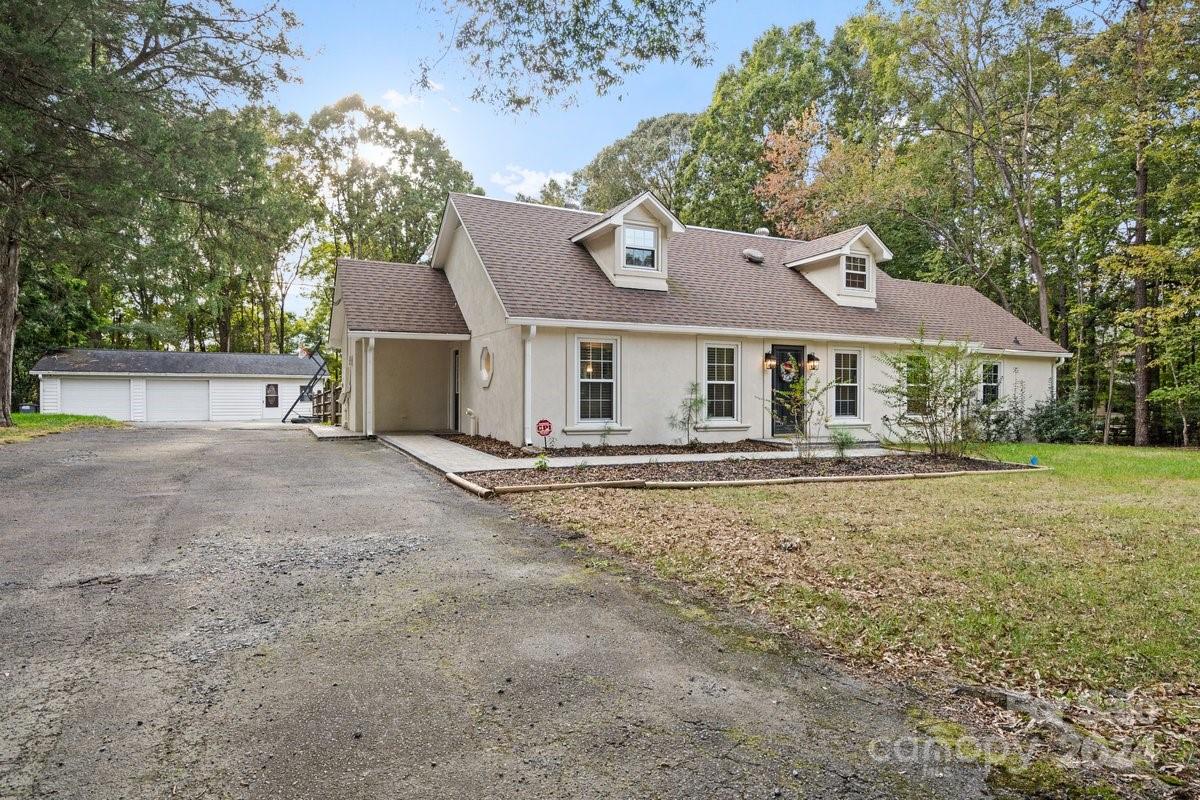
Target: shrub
x,y
541,463
688,415
842,440
1060,422
933,397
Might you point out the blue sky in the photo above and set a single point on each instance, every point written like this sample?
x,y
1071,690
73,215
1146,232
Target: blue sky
x,y
371,47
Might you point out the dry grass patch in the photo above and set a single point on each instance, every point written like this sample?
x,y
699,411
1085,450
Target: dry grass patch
x,y
1083,582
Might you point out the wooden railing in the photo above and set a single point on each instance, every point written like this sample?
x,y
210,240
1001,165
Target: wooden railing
x,y
327,405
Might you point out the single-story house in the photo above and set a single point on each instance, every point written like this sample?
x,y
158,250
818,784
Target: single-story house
x,y
157,386
599,323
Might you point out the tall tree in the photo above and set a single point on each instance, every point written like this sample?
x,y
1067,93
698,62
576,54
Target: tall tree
x,y
89,91
775,81
382,185
649,158
524,53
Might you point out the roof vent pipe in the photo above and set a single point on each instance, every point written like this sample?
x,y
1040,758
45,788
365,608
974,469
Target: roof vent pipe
x,y
762,231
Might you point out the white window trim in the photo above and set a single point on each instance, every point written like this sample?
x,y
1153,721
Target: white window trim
x,y
737,380
596,424
861,398
870,275
624,267
999,379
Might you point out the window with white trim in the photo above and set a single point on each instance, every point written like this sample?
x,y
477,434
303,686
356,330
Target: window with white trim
x,y
847,384
990,382
916,385
856,273
597,380
720,381
641,248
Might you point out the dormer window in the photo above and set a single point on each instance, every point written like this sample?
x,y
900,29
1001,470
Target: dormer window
x,y
856,273
641,248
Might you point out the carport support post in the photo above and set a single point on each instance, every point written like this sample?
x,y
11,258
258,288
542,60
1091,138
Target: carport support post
x,y
529,384
369,396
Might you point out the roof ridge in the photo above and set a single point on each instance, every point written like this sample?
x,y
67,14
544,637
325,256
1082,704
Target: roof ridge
x,y
172,352
348,259
527,203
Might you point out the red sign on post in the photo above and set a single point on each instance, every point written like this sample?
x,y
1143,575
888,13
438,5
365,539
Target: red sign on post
x,y
544,428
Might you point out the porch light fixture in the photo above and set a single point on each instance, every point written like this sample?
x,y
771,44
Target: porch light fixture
x,y
769,361
811,362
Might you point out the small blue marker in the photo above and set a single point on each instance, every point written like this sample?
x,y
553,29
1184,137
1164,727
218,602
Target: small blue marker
x,y
1033,460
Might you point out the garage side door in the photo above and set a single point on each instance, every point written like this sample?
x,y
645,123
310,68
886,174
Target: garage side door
x,y
104,397
234,399
180,400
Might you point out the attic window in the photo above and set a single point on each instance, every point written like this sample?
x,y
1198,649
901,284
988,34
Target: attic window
x,y
641,248
856,273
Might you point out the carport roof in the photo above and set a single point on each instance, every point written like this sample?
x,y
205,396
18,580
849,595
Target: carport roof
x,y
397,298
158,362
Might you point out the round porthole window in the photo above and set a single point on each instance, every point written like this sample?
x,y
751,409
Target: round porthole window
x,y
485,366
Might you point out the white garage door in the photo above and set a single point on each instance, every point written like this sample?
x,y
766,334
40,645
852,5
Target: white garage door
x,y
176,400
105,397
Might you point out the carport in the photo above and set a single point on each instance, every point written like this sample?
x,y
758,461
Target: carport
x,y
402,337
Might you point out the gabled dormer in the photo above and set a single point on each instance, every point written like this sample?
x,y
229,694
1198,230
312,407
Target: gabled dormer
x,y
843,265
631,243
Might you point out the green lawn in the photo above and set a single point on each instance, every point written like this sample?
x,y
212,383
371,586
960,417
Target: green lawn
x,y
29,426
1084,578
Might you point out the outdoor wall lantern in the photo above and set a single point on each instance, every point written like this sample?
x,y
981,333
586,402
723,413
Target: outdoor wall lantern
x,y
769,362
812,362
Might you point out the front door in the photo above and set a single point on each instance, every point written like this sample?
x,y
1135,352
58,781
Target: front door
x,y
789,368
456,393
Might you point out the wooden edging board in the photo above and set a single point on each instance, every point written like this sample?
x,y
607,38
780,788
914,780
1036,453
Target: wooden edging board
x,y
643,484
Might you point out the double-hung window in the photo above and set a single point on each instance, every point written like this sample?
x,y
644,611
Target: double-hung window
x,y
720,381
856,273
846,384
641,248
916,385
597,380
990,382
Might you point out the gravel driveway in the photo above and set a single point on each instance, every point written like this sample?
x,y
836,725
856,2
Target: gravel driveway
x,y
201,613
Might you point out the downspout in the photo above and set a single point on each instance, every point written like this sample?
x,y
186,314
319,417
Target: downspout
x,y
369,396
529,384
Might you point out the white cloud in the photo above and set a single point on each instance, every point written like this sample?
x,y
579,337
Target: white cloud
x,y
434,86
521,180
396,99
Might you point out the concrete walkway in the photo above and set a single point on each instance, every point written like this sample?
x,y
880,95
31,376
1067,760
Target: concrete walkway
x,y
446,456
333,432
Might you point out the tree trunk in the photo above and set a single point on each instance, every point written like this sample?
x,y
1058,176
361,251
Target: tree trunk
x,y
10,271
1112,372
1141,354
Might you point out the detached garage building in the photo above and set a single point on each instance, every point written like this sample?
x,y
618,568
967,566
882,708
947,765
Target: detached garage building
x,y
155,386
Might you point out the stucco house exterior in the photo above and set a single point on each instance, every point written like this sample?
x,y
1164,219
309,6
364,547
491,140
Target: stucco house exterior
x,y
599,323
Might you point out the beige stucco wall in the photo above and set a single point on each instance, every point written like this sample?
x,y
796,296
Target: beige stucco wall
x,y
412,385
496,409
655,370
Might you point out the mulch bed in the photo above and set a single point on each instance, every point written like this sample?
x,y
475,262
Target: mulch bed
x,y
739,469
501,449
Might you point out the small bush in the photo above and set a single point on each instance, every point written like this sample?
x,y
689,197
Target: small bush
x,y
541,463
1059,422
841,440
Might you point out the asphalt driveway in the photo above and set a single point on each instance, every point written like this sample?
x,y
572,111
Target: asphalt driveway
x,y
202,613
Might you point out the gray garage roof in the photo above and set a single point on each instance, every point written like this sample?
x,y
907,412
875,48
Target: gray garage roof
x,y
158,362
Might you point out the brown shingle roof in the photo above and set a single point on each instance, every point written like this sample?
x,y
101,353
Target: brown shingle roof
x,y
404,298
539,273
825,244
